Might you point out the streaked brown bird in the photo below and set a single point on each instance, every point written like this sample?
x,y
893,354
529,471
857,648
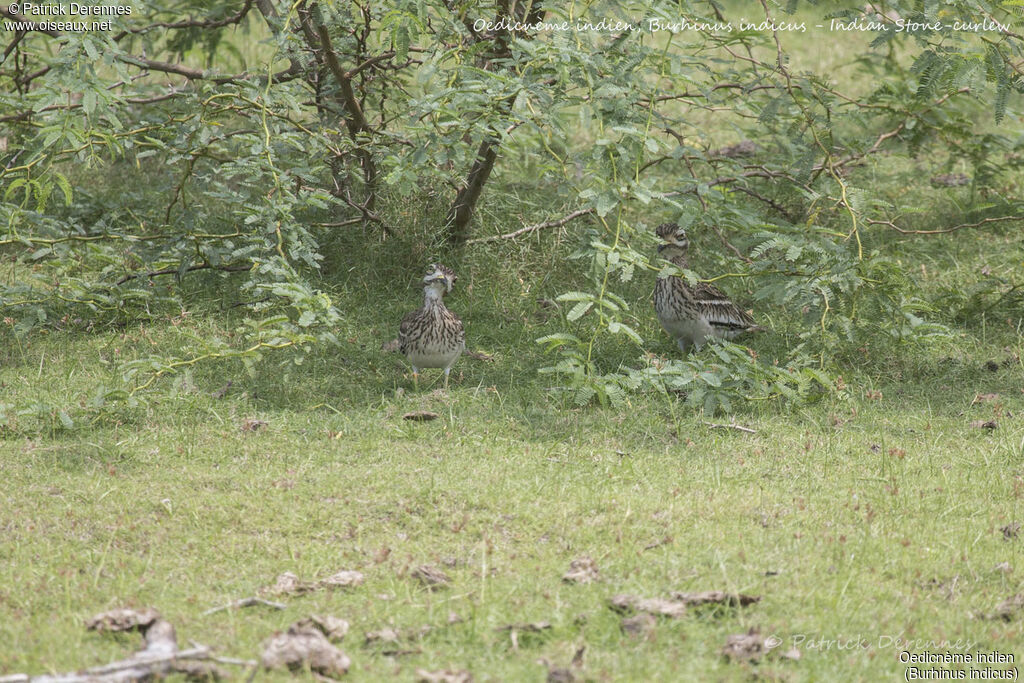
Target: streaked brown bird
x,y
433,336
693,314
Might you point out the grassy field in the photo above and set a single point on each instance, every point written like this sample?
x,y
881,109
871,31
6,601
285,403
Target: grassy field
x,y
868,525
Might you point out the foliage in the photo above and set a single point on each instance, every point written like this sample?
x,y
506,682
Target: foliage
x,y
794,195
129,170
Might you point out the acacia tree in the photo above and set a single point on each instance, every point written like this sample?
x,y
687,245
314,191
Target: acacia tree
x,y
248,165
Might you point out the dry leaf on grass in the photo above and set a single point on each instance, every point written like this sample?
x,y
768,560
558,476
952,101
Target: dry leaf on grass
x,y
122,619
676,607
332,627
716,598
431,577
640,625
289,584
581,570
985,424
390,635
342,579
304,644
1010,531
480,355
749,645
420,416
985,398
251,425
627,604
390,346
752,646
531,627
560,675
1009,608
160,638
444,676
384,635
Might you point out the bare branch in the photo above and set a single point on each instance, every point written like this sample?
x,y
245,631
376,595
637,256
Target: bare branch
x,y
370,62
355,121
174,271
699,95
891,224
729,245
767,200
197,74
533,228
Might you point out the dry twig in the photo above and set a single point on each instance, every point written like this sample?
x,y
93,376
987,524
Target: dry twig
x,y
533,228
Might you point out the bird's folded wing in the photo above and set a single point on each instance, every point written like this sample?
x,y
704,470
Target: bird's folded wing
x,y
719,309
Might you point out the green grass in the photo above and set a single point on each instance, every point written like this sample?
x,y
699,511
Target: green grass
x,y
871,518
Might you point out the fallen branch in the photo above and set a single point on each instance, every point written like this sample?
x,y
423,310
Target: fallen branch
x,y
533,228
138,668
149,664
157,659
737,427
244,602
235,661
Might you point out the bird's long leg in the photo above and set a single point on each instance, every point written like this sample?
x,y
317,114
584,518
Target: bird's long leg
x,y
446,371
415,378
682,344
